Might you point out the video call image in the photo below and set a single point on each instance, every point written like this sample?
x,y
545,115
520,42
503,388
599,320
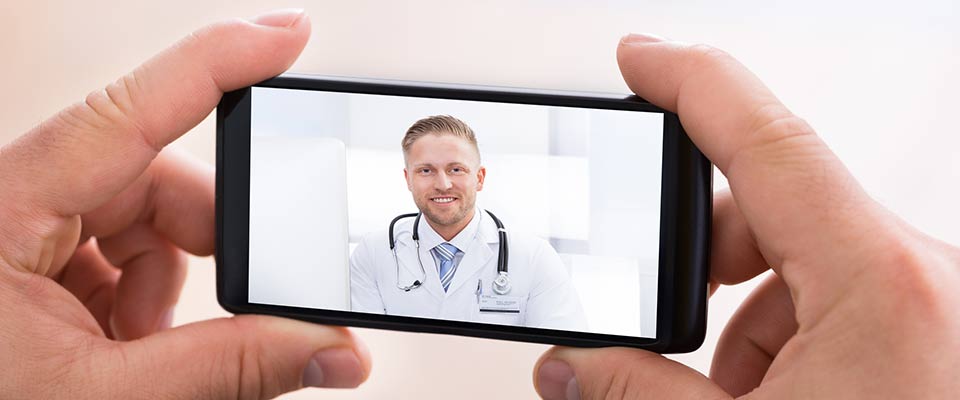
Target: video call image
x,y
509,214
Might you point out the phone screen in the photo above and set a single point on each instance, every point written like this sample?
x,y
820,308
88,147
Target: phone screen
x,y
399,205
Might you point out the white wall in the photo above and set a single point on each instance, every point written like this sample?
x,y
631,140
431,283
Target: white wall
x,y
298,222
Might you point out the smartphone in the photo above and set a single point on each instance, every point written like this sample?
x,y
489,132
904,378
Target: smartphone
x,y
567,218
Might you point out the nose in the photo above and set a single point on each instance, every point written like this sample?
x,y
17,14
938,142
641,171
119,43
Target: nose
x,y
442,182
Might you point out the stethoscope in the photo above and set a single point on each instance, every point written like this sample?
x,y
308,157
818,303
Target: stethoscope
x,y
501,285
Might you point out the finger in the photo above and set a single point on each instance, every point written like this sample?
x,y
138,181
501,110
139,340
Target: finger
x,y
242,357
171,202
795,195
153,274
753,337
618,373
93,281
734,256
175,196
85,155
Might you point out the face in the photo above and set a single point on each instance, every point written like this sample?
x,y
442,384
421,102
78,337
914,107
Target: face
x,y
444,175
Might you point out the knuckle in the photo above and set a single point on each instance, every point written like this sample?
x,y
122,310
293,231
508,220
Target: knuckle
x,y
772,123
253,377
37,287
233,370
916,281
212,375
621,383
619,386
37,245
776,138
114,108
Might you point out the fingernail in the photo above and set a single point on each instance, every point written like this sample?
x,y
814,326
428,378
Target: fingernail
x,y
557,381
165,321
283,18
640,38
333,368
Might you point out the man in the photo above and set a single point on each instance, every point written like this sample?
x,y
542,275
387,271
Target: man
x,y
451,273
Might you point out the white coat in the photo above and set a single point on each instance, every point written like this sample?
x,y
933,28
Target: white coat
x,y
538,278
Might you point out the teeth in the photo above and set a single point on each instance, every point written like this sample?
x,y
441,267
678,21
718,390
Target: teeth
x,y
443,199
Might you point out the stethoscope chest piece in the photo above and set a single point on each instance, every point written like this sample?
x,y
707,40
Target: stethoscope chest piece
x,y
501,285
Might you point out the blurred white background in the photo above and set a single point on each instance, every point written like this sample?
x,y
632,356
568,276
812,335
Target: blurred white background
x,y
878,80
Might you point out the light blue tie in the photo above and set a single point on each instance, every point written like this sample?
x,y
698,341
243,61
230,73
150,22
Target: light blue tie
x,y
446,252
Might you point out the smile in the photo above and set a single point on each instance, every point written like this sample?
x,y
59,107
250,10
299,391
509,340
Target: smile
x,y
443,199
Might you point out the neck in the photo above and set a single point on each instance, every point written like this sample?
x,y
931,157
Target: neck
x,y
448,232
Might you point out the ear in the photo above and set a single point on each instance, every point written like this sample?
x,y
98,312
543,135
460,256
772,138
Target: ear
x,y
406,177
481,175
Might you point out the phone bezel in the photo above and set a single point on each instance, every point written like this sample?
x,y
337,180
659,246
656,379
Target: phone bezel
x,y
685,221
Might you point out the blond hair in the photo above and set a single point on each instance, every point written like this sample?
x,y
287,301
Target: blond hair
x,y
438,125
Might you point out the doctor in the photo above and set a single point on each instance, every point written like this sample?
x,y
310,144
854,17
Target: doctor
x,y
458,247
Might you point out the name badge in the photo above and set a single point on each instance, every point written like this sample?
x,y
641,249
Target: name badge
x,y
500,304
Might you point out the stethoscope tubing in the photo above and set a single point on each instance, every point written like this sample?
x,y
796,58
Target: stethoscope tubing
x,y
502,256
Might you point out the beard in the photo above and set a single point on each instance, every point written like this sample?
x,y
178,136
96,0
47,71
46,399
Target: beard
x,y
446,216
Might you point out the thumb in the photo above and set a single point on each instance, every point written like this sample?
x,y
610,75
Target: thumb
x,y
618,373
244,357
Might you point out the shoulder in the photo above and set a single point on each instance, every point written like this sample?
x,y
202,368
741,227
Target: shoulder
x,y
402,230
370,242
516,238
380,237
533,244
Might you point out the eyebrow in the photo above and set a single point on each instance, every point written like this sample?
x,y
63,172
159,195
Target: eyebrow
x,y
456,163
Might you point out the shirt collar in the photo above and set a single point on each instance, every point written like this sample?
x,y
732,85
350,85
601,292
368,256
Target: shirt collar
x,y
429,238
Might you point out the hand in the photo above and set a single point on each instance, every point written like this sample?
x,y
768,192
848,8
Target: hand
x,y
94,222
861,304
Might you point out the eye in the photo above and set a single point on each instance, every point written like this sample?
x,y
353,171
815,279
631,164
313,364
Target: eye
x,y
457,170
424,170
